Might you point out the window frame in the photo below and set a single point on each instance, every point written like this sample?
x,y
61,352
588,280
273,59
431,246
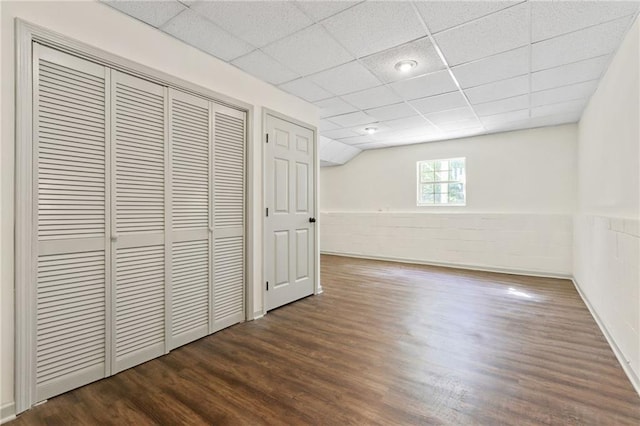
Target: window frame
x,y
435,182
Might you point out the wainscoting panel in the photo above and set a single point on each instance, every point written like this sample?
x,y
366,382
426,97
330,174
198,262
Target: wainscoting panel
x,y
527,243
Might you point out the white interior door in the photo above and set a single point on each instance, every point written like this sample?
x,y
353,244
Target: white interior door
x,y
228,296
138,213
70,222
191,216
289,224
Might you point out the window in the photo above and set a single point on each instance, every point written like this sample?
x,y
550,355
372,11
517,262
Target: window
x,y
441,182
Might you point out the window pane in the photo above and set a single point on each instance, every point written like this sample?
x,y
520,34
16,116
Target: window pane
x,y
426,166
442,165
442,198
442,176
440,187
426,188
456,193
456,164
426,176
456,174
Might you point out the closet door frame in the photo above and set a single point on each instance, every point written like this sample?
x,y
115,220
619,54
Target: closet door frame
x,y
25,268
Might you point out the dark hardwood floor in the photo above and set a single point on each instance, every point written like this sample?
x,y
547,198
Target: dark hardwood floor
x,y
385,344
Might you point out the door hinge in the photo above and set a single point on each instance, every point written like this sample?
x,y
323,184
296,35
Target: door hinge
x,y
267,211
267,137
267,285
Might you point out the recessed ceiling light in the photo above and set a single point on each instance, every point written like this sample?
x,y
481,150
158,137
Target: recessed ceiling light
x,y
371,130
406,66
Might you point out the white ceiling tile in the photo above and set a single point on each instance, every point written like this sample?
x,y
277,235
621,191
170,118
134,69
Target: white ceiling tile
x,y
417,121
372,98
264,67
584,44
498,67
556,119
327,125
426,85
374,26
195,30
440,102
391,112
458,114
154,13
498,90
333,106
576,72
357,139
559,108
502,106
551,19
502,31
362,129
305,89
422,51
308,51
319,10
346,78
353,119
371,145
257,22
440,15
339,133
457,126
563,94
496,121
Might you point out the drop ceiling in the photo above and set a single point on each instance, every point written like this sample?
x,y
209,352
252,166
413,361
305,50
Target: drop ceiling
x,y
482,66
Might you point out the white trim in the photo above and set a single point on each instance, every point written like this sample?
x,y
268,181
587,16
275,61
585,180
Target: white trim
x,y
470,267
7,412
626,367
257,315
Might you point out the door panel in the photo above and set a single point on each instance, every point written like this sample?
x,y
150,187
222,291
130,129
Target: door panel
x,y
190,237
138,203
229,130
290,237
70,221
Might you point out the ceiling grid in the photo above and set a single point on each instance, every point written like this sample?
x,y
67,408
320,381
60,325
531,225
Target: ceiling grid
x,y
482,67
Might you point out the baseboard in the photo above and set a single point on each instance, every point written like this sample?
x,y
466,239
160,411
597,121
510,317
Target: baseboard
x,y
7,412
633,378
454,265
257,315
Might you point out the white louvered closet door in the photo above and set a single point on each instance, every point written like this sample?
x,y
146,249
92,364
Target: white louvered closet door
x,y
140,142
191,214
229,217
69,223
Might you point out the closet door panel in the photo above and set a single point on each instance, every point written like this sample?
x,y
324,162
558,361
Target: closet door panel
x,y
70,121
229,217
190,142
140,139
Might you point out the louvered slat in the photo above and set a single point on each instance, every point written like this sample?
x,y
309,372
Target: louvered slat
x,y
139,299
71,148
71,318
190,162
140,145
229,170
190,287
229,278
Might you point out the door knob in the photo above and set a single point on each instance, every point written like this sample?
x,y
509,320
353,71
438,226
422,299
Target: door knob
x,y
312,220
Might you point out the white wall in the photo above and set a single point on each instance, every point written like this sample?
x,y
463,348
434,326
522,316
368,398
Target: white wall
x,y
527,171
521,190
607,224
103,27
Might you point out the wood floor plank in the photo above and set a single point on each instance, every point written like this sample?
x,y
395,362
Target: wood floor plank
x,y
386,343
